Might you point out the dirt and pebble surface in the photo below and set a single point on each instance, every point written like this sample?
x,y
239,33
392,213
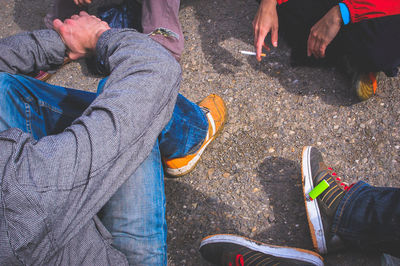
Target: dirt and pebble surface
x,y
249,180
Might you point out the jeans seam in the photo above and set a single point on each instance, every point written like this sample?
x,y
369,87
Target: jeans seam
x,y
164,218
52,108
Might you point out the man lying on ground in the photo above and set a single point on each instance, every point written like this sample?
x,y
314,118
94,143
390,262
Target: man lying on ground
x,y
66,153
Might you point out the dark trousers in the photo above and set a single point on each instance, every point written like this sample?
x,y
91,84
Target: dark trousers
x,y
369,218
370,45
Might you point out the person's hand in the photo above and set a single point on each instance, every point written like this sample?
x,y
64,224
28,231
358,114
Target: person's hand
x,y
265,21
82,2
80,33
323,32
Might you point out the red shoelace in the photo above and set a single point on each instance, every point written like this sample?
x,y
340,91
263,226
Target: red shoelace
x,y
345,186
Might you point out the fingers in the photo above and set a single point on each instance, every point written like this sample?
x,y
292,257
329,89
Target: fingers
x,y
259,45
259,38
266,47
57,24
310,45
322,49
74,56
105,24
316,46
83,13
82,2
274,36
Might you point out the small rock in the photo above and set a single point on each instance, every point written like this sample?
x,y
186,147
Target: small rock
x,y
210,172
226,175
271,218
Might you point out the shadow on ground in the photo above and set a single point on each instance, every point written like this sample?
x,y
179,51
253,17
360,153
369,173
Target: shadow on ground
x,y
29,14
191,216
201,216
281,179
224,20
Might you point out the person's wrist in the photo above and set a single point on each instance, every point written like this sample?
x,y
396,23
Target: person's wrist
x,y
97,35
337,15
269,2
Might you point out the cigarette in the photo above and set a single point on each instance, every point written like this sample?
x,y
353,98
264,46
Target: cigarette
x,y
251,53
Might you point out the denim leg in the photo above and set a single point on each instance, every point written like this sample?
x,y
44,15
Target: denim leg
x,y
369,218
135,215
186,130
39,108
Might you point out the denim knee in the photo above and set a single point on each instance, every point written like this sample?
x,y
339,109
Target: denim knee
x,y
6,80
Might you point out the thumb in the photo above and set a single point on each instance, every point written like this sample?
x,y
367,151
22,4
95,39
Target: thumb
x,y
74,55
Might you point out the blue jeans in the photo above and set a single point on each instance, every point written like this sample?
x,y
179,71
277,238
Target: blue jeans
x,y
135,215
369,218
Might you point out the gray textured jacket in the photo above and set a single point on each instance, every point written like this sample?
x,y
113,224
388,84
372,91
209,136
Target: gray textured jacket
x,y
51,189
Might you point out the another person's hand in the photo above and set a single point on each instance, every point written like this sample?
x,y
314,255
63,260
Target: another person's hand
x,y
265,21
82,2
323,32
80,33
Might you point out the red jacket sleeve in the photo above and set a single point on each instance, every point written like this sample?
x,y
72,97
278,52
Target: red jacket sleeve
x,y
367,9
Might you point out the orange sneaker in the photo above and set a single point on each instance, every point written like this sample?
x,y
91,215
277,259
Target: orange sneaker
x,y
365,85
216,115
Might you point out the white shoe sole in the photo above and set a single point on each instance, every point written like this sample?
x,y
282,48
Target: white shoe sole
x,y
192,163
276,251
313,212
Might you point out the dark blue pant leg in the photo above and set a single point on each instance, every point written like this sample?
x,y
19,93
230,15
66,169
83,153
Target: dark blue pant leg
x,y
185,132
369,218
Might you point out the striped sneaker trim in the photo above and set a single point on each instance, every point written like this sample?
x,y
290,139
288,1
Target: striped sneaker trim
x,y
276,251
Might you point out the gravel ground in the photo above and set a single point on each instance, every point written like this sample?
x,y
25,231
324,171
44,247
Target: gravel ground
x,y
249,180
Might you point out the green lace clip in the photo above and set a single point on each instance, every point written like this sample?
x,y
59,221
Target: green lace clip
x,y
321,187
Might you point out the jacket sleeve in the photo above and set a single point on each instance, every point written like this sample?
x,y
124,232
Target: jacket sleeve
x,y
31,51
77,171
368,9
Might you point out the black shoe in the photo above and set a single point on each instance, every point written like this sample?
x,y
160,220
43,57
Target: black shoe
x,y
321,211
233,250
